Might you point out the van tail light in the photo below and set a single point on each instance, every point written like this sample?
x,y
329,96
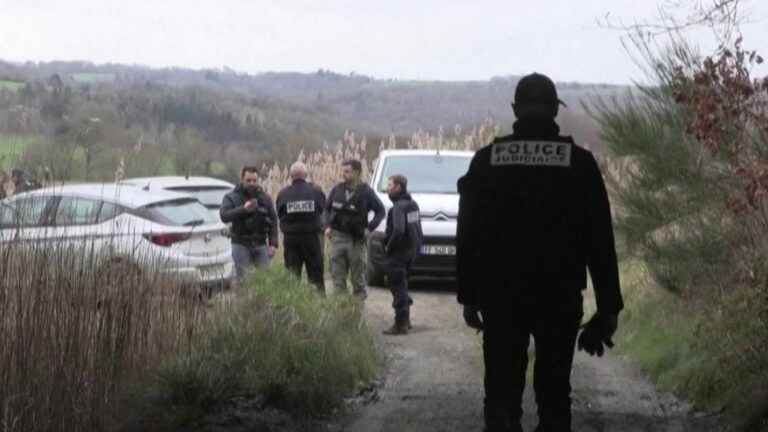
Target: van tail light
x,y
166,240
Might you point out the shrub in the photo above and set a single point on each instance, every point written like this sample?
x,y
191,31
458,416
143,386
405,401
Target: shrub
x,y
277,339
686,173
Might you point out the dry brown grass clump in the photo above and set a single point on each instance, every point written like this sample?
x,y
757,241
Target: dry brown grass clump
x,y
76,334
325,166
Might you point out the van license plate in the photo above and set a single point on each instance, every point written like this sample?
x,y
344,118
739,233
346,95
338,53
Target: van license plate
x,y
438,250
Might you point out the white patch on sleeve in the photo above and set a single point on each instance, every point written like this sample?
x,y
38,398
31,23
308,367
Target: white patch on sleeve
x,y
301,207
413,217
531,153
337,205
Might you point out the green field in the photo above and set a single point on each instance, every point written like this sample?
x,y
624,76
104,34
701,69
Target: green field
x,y
87,78
12,147
11,85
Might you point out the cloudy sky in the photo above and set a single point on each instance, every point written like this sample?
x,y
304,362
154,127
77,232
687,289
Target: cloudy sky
x,y
406,39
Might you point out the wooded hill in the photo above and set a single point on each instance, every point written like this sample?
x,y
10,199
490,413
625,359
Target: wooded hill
x,y
224,116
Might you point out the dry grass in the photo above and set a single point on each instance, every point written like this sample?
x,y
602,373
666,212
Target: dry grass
x,y
325,166
75,335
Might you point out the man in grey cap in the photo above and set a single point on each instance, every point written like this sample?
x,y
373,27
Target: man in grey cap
x,y
534,216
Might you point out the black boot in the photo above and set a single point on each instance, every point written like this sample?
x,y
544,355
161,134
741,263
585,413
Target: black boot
x,y
500,420
398,328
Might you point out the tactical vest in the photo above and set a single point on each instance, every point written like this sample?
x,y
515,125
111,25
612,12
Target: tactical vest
x,y
348,216
255,227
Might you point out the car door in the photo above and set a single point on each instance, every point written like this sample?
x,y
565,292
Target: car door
x,y
32,219
75,224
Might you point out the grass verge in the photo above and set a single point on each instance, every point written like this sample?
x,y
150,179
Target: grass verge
x,y
686,349
277,339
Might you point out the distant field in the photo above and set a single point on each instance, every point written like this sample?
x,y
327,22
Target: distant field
x,y
12,147
11,85
93,77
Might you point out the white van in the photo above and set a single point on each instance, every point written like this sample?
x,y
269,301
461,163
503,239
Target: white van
x,y
432,179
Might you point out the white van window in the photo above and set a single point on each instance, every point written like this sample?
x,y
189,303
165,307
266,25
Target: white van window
x,y
426,173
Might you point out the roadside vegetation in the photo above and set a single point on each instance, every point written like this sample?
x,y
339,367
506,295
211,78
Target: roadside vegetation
x,y
89,345
76,333
686,172
277,340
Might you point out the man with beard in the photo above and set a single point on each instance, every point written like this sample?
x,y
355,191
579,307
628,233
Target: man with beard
x,y
251,212
347,227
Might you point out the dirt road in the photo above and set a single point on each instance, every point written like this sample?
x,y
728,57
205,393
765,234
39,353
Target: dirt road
x,y
434,380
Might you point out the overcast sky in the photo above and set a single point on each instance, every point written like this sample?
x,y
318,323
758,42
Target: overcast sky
x,y
406,39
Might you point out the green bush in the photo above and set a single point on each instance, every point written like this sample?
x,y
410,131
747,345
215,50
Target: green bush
x,y
278,339
690,215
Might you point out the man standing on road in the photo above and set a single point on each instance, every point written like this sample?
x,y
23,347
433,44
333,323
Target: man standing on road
x,y
347,227
254,223
401,245
300,209
533,217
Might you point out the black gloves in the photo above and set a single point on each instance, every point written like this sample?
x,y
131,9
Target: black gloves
x,y
597,332
472,318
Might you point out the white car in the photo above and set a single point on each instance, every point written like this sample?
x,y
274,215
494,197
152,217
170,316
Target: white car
x,y
210,191
124,224
432,182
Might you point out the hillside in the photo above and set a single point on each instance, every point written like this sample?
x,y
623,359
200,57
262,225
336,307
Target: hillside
x,y
361,103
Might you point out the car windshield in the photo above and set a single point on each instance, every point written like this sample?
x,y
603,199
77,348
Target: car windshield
x,y
183,212
210,196
426,173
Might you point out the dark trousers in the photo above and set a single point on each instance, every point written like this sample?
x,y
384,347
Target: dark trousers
x,y
505,347
304,250
397,276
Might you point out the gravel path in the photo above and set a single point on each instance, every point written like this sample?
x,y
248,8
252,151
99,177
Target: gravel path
x,y
434,380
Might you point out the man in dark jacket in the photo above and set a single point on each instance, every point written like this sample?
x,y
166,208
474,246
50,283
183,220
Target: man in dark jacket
x,y
347,227
254,223
300,209
533,217
401,245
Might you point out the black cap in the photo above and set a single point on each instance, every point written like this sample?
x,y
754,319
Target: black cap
x,y
536,90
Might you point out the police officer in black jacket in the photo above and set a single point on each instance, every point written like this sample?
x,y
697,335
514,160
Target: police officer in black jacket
x,y
254,223
533,217
347,227
300,209
401,245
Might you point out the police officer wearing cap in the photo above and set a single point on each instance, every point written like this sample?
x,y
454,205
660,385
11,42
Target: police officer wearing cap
x,y
534,216
300,209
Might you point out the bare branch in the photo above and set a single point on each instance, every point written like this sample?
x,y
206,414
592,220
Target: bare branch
x,y
723,17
